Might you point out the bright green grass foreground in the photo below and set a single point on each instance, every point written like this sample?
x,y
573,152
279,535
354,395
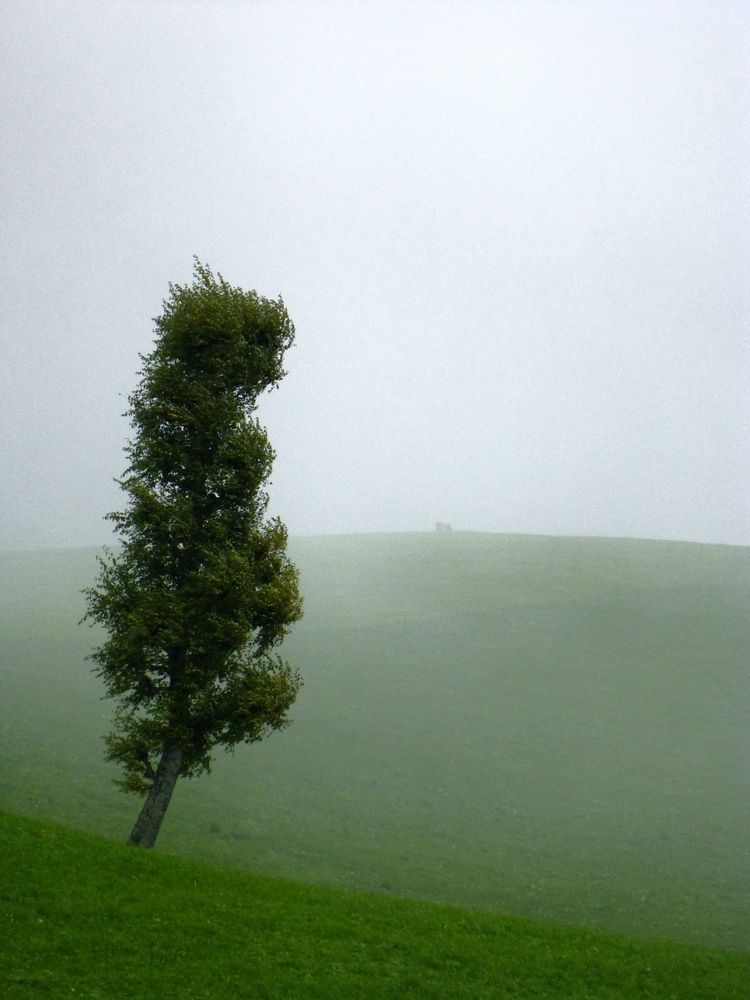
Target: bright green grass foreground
x,y
554,728
87,918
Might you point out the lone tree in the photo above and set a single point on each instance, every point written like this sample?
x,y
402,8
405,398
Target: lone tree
x,y
201,592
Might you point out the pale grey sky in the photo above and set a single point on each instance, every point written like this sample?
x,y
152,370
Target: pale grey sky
x,y
513,238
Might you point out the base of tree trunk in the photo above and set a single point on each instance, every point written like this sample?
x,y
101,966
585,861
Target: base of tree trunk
x,y
148,824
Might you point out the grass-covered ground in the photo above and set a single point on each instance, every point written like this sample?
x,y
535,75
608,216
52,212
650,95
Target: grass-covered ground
x,y
549,727
88,918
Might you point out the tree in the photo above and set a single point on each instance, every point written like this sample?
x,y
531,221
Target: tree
x,y
202,592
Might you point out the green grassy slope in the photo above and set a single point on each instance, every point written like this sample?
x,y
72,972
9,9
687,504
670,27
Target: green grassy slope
x,y
550,727
87,918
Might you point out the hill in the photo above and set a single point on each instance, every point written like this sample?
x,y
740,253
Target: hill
x,y
555,728
88,918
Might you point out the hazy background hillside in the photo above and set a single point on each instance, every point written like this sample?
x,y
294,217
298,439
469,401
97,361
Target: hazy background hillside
x,y
550,727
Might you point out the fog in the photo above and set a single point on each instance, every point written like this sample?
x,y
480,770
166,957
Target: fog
x,y
513,239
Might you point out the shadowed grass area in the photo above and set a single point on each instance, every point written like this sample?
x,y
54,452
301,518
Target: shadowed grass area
x,y
550,727
93,919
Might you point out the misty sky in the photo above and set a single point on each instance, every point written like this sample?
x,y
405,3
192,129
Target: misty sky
x,y
513,237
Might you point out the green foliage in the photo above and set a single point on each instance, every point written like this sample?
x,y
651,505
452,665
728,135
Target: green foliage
x,y
89,918
202,591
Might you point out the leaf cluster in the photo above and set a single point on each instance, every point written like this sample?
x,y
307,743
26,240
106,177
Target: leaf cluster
x,y
201,592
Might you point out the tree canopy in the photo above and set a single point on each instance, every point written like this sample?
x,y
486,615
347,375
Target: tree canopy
x,y
201,592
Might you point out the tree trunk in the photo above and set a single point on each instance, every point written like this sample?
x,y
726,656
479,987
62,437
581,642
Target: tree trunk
x,y
148,824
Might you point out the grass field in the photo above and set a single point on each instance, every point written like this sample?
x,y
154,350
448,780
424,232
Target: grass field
x,y
555,728
88,918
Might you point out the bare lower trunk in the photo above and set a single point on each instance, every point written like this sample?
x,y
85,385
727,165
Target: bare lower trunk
x,y
148,824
